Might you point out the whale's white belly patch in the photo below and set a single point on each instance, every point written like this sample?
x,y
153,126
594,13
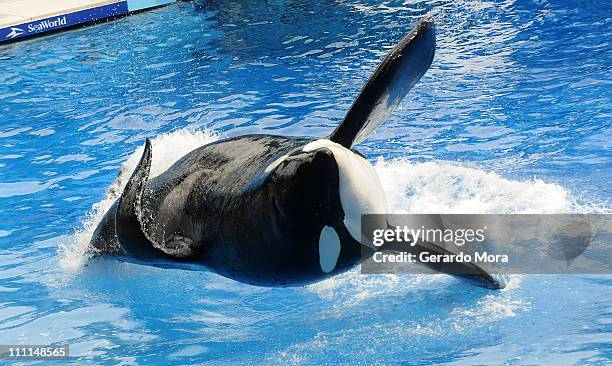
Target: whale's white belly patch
x,y
329,249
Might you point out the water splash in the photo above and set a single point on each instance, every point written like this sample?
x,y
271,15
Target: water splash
x,y
167,149
445,187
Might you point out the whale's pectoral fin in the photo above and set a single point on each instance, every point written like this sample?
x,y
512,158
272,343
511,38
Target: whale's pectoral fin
x,y
128,226
467,271
393,78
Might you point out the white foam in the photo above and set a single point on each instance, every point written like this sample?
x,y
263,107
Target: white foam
x,y
444,187
167,149
489,308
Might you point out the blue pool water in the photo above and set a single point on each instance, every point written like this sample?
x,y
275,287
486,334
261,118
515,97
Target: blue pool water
x,y
514,116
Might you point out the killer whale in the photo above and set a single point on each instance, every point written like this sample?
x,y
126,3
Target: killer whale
x,y
264,209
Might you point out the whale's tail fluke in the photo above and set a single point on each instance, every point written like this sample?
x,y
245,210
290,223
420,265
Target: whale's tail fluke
x,y
394,77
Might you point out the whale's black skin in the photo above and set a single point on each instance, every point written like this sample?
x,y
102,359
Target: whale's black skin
x,y
217,207
259,208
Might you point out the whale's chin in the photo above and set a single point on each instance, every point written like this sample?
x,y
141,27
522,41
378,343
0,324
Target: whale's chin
x,y
359,186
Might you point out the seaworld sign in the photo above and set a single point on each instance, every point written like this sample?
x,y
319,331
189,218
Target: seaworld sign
x,y
47,24
74,18
62,21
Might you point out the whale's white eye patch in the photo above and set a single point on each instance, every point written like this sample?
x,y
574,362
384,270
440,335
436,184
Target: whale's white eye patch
x,y
329,249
